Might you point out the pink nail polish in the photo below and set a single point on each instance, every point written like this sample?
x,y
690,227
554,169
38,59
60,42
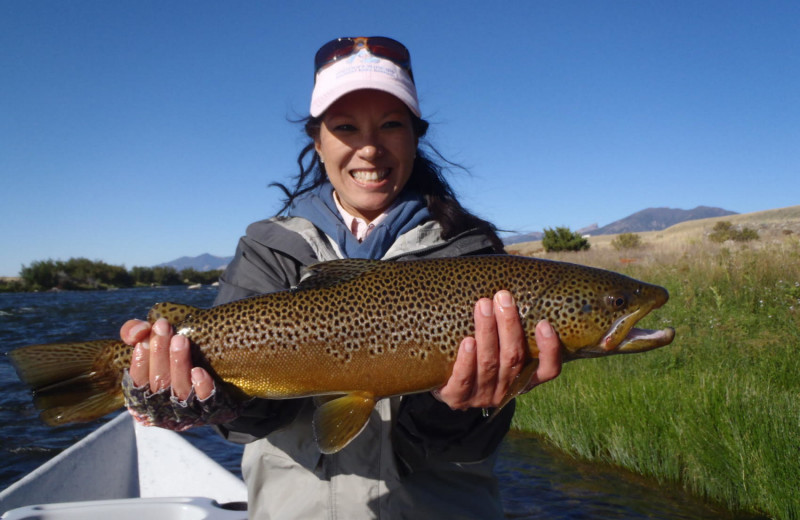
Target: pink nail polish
x,y
196,376
469,345
138,328
161,327
546,329
177,345
505,299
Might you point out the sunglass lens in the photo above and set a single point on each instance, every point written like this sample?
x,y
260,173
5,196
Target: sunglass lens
x,y
390,49
332,50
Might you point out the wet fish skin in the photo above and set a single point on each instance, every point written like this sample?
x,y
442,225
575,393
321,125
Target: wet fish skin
x,y
360,329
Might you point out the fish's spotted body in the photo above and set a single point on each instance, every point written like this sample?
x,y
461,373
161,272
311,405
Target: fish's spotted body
x,y
365,330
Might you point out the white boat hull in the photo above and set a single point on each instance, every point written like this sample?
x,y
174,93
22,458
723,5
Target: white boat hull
x,y
120,461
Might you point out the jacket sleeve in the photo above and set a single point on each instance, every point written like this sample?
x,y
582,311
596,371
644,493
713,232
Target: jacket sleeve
x,y
429,431
259,269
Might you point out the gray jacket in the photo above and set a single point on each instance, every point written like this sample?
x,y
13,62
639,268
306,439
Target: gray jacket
x,y
416,458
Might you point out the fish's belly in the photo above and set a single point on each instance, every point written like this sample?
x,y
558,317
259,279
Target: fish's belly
x,y
318,369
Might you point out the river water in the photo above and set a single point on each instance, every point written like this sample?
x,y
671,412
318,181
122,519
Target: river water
x,y
536,482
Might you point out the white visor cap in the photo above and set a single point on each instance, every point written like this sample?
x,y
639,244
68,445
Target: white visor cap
x,y
362,70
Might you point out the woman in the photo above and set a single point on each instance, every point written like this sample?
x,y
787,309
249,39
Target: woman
x,y
367,191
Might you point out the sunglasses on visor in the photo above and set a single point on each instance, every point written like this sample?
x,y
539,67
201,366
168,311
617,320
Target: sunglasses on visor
x,y
379,46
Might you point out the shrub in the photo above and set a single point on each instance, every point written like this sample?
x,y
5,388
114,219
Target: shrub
x,y
627,241
562,239
724,230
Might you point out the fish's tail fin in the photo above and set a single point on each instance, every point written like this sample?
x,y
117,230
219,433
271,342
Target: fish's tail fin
x,y
73,382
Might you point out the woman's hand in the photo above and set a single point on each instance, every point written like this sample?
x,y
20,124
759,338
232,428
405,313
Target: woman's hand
x,y
487,364
162,359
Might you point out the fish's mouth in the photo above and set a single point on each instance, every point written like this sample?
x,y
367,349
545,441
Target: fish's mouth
x,y
642,340
624,338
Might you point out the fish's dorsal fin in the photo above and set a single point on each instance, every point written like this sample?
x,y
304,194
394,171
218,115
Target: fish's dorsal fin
x,y
328,274
174,313
340,420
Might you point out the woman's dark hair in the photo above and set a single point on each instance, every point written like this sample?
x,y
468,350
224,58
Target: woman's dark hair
x,y
427,179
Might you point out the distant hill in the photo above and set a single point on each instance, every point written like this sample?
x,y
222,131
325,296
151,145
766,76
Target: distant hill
x,y
588,229
527,237
650,219
656,219
204,262
773,226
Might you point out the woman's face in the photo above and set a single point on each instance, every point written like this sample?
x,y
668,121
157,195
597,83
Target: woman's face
x,y
367,144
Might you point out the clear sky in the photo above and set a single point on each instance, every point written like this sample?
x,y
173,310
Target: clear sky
x,y
135,132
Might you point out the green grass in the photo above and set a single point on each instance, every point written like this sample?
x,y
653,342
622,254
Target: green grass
x,y
718,411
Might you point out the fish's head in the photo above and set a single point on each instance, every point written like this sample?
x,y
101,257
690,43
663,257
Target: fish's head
x,y
595,312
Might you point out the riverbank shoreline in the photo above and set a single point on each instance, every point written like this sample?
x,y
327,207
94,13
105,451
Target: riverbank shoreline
x,y
717,412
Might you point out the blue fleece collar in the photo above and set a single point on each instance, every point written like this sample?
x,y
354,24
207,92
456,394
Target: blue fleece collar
x,y
318,206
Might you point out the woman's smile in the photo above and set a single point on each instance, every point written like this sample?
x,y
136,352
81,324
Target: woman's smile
x,y
370,177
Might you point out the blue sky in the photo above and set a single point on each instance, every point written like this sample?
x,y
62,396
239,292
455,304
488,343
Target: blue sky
x,y
135,132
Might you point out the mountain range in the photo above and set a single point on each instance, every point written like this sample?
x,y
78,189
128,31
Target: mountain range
x,y
204,262
656,219
650,219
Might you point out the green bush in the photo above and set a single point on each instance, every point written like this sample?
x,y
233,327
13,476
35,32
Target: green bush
x,y
724,230
627,241
11,285
562,239
41,274
192,276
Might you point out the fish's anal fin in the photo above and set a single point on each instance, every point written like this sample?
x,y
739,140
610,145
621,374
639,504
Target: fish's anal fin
x,y
519,385
174,313
88,409
328,274
339,421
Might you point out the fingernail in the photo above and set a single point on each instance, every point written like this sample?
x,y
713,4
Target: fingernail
x,y
145,345
505,299
546,329
196,375
138,328
177,344
176,347
161,327
468,345
486,307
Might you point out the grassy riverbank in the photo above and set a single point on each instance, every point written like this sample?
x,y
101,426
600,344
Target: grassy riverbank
x,y
718,411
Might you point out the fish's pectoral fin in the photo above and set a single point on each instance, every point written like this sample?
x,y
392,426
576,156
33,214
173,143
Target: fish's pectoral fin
x,y
320,400
339,421
174,313
518,386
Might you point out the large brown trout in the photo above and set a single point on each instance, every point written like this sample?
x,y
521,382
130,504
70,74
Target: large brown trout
x,y
358,330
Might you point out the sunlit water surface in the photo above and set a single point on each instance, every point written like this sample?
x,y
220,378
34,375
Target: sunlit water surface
x,y
536,483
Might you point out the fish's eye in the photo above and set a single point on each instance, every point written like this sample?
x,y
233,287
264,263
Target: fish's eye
x,y
616,302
